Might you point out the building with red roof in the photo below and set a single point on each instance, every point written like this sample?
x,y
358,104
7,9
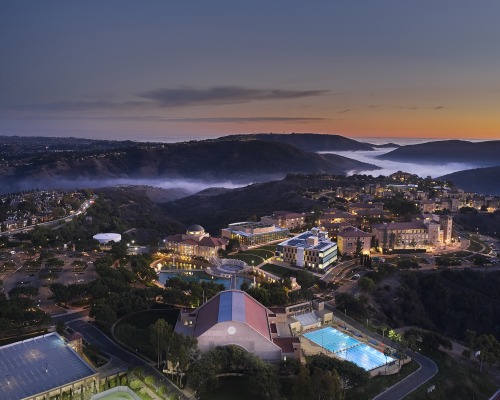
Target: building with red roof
x,y
233,317
195,242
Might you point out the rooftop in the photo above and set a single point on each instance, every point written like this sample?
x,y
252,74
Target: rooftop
x,y
37,365
232,305
301,241
401,225
354,232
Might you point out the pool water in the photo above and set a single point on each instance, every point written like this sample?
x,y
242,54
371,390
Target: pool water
x,y
199,276
348,348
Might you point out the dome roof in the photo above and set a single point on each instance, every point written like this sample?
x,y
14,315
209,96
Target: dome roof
x,y
195,228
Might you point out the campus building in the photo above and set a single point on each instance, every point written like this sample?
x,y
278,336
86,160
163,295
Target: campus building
x,y
285,219
254,233
43,367
349,238
195,242
425,231
309,249
233,317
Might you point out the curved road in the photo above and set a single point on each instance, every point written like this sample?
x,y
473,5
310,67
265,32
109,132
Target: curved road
x,y
401,389
93,335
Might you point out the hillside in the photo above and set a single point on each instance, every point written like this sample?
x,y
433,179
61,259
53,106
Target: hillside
x,y
240,161
481,154
218,210
309,141
478,180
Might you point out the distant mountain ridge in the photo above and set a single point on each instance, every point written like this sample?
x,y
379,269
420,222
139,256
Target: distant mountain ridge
x,y
211,161
461,151
479,180
308,141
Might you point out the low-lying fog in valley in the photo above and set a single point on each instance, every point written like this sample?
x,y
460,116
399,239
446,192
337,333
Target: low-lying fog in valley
x,y
389,167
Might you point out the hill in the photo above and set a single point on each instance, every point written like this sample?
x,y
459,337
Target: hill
x,y
308,141
478,180
481,154
239,161
218,210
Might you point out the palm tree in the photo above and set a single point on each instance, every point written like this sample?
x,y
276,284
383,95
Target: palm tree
x,y
383,329
387,352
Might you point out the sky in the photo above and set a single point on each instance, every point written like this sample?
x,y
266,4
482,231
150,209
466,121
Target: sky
x,y
174,70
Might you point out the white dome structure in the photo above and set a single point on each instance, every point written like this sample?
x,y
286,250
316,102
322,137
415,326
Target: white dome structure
x,y
104,238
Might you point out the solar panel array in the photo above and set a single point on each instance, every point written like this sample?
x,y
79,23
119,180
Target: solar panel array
x,y
37,365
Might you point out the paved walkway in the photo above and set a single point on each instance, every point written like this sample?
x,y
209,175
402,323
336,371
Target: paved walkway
x,y
401,389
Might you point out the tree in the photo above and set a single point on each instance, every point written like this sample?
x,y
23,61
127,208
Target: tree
x,y
470,339
366,284
387,353
160,338
60,326
303,385
325,384
359,247
233,245
23,291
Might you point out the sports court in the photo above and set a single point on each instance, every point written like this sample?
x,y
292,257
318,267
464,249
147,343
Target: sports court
x,y
348,348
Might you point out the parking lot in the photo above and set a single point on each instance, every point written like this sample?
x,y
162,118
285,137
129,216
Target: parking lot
x,y
19,269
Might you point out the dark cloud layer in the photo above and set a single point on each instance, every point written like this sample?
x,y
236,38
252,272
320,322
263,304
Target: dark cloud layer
x,y
222,95
178,97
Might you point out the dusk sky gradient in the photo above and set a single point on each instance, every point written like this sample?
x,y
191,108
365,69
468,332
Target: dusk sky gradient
x,y
192,69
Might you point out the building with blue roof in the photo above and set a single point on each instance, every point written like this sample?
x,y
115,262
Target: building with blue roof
x,y
43,367
309,249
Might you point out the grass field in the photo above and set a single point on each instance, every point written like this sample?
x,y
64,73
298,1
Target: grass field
x,y
136,328
248,258
118,396
258,255
277,270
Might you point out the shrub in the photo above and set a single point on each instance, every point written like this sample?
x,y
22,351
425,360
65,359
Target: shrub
x,y
135,384
150,380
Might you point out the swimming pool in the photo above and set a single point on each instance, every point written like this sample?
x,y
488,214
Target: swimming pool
x,y
348,348
198,276
365,357
331,339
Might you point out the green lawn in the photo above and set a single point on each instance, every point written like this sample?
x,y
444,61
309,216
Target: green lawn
x,y
248,258
260,252
135,331
276,270
118,396
270,247
146,318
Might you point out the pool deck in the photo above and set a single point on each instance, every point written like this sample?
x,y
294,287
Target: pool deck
x,y
309,347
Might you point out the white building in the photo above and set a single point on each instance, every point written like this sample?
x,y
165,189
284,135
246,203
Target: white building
x,y
309,249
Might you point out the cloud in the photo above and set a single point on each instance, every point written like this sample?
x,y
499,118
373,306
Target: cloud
x,y
154,118
217,95
80,105
213,119
378,106
175,97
